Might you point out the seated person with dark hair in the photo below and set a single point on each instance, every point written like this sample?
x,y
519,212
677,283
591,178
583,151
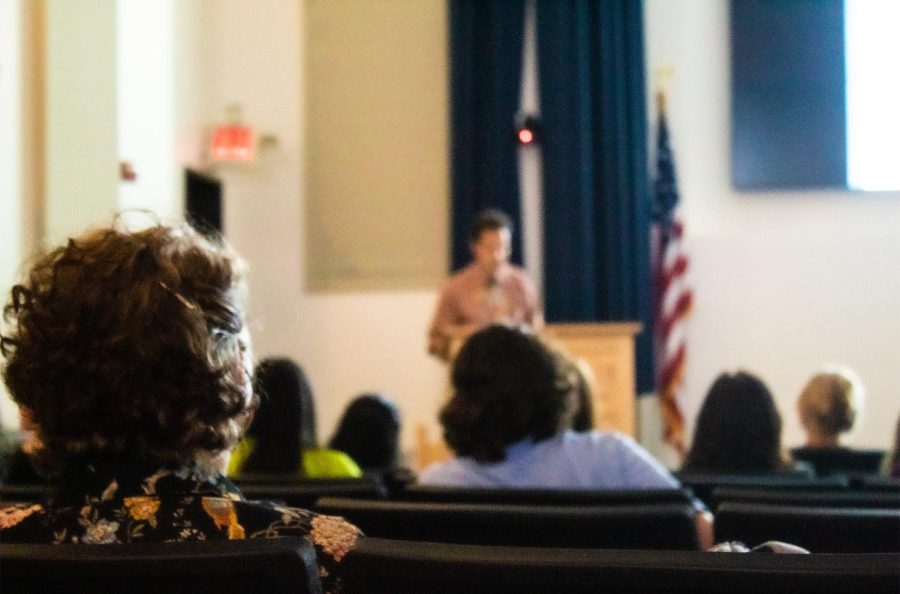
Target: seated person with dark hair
x,y
738,429
131,352
509,420
369,432
281,439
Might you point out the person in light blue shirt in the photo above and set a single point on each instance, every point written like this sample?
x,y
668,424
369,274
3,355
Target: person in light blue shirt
x,y
508,424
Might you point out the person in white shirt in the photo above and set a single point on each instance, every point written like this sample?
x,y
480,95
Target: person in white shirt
x,y
508,422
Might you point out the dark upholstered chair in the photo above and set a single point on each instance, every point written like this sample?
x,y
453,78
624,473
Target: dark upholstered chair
x,y
542,496
656,526
817,529
842,498
703,484
829,461
888,484
255,566
378,566
305,492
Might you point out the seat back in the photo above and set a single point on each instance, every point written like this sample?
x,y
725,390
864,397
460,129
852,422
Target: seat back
x,y
796,497
702,484
657,526
305,492
828,461
817,529
417,492
379,566
886,484
263,566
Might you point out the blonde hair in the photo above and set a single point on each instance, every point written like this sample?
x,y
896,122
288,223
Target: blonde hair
x,y
831,401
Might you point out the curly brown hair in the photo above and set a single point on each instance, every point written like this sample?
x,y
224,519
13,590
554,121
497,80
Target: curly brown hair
x,y
125,345
507,385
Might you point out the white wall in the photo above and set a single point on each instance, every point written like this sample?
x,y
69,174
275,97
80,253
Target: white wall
x,y
347,343
10,158
21,148
81,165
146,101
84,62
784,281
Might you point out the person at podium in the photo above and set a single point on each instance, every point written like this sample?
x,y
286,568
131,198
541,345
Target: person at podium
x,y
489,290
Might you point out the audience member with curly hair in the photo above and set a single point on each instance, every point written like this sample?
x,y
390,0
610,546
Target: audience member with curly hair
x,y
509,424
738,429
130,351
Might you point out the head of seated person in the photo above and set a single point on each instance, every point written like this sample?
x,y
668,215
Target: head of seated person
x,y
281,439
369,431
129,349
738,429
829,405
509,423
131,346
506,388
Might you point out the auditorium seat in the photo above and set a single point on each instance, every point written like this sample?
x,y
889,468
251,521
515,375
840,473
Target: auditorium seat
x,y
818,529
885,484
305,492
655,526
439,494
840,460
379,566
702,484
255,566
842,498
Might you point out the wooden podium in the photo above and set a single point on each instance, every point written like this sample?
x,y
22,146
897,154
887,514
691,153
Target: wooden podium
x,y
607,349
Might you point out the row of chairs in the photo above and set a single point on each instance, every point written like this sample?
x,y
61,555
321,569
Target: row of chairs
x,y
664,526
376,566
821,520
822,515
703,485
710,488
623,526
510,540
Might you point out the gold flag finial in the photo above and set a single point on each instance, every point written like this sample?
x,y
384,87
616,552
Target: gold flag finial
x,y
662,77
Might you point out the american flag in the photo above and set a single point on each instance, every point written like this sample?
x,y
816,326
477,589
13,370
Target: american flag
x,y
673,296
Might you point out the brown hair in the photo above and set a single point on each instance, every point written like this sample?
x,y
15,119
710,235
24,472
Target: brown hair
x,y
125,345
489,219
506,386
738,428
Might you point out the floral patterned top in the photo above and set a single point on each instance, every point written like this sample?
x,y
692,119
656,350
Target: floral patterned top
x,y
131,504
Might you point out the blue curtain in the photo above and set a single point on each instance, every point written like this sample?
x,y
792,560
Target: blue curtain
x,y
485,71
596,190
593,126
